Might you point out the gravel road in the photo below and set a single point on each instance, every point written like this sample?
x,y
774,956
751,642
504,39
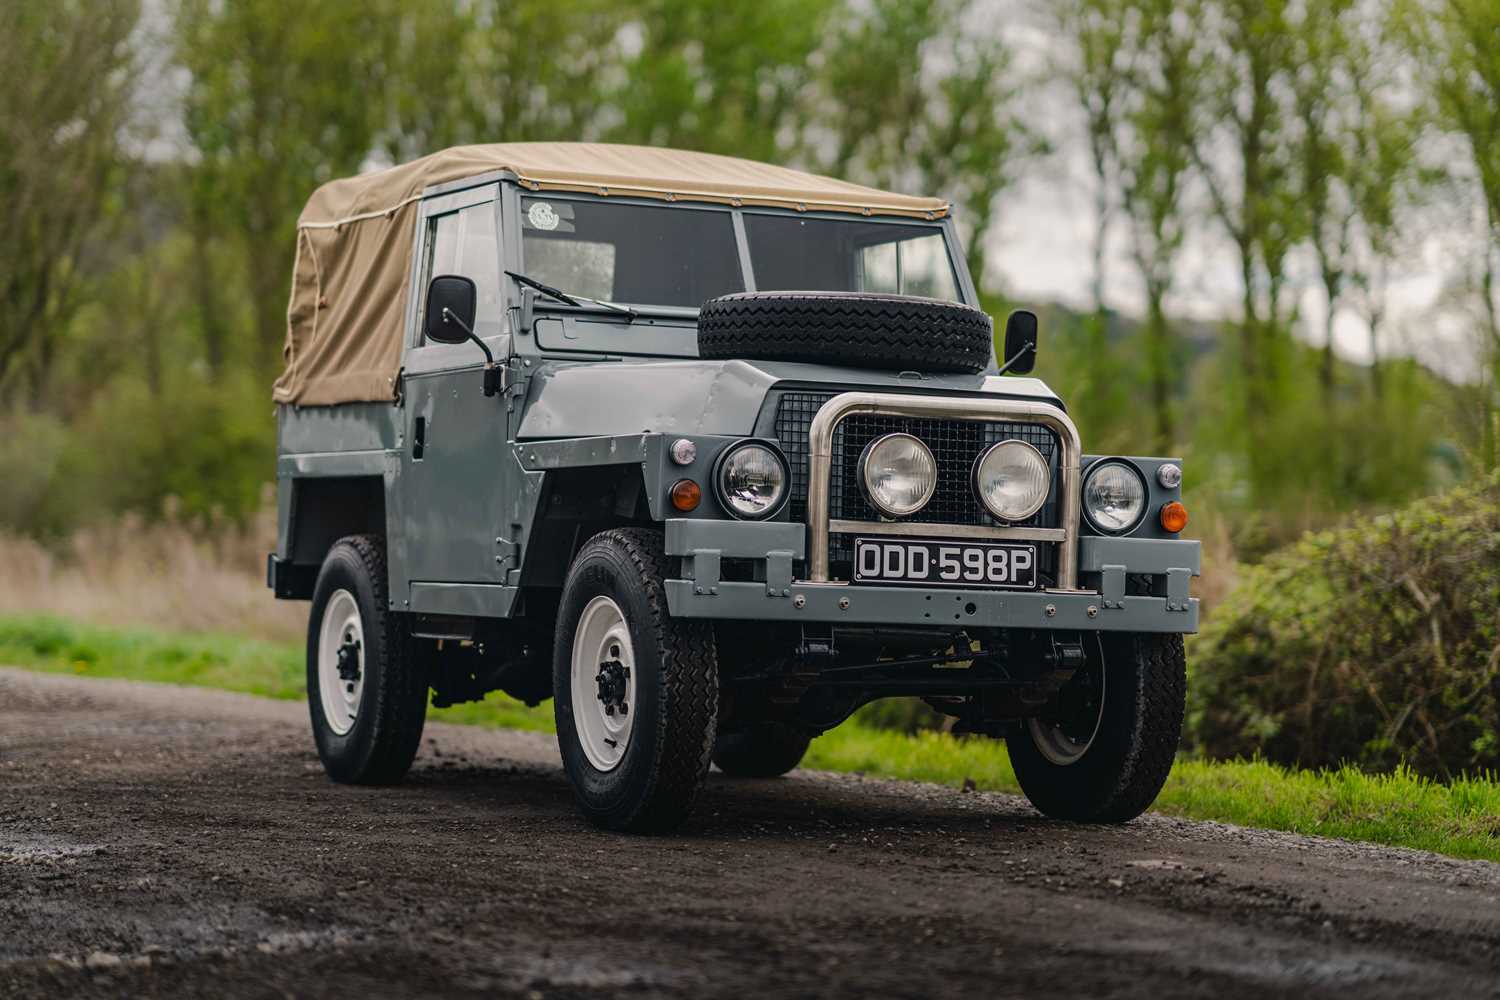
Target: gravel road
x,y
167,841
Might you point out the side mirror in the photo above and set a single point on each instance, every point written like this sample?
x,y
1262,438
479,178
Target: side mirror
x,y
449,319
1020,343
451,303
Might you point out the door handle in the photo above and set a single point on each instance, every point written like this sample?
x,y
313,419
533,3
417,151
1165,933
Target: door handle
x,y
418,438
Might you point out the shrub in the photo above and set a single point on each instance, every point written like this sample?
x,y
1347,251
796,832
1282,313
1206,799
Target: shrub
x,y
1376,644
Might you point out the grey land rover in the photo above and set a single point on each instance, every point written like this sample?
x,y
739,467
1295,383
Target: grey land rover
x,y
711,453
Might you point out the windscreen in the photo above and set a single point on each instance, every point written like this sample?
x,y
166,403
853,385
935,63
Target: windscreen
x,y
832,255
636,254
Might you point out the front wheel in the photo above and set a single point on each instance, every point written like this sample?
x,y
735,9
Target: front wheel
x,y
635,690
1102,751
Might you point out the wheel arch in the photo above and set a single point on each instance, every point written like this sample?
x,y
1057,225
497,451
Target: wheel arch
x,y
575,503
316,513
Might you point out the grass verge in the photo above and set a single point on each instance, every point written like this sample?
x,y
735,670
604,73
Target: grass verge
x,y
1461,818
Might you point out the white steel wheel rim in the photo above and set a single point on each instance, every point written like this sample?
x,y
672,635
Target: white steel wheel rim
x,y
341,695
1057,746
601,648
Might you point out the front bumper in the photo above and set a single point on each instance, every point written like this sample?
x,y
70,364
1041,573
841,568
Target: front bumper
x,y
776,596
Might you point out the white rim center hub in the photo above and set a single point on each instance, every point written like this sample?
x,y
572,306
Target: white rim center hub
x,y
341,661
1058,746
603,683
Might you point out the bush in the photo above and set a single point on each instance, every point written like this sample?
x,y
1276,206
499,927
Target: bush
x,y
1377,644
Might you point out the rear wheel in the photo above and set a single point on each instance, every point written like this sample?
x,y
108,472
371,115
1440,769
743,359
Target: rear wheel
x,y
635,690
1102,751
365,694
767,750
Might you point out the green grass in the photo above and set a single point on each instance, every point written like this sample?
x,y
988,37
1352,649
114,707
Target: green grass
x,y
1460,819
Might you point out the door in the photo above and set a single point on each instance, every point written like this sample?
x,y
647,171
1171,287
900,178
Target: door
x,y
453,478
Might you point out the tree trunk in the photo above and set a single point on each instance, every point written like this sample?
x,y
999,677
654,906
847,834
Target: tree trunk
x,y
270,271
1159,355
1326,369
1254,365
206,290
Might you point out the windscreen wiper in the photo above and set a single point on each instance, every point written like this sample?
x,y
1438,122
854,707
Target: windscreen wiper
x,y
572,300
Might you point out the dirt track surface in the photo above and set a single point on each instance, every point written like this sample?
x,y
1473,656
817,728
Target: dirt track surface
x,y
178,842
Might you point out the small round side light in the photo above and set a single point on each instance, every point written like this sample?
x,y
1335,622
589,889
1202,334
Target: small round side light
x,y
1173,517
686,495
684,452
1169,475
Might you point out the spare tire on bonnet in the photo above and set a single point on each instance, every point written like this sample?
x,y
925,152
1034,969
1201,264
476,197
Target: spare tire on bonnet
x,y
858,330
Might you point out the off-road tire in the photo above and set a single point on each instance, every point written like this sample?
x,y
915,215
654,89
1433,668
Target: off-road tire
x,y
652,788
1126,765
857,330
387,731
766,750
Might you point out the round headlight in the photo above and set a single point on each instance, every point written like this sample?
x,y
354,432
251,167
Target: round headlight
x,y
899,474
1011,480
752,481
1114,497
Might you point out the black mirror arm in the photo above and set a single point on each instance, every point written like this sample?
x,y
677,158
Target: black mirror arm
x,y
494,376
449,316
1016,357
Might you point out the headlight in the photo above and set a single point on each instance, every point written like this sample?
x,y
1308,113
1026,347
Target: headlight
x,y
899,474
1114,497
1011,480
752,481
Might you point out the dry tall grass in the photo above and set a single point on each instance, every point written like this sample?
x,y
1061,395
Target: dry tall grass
x,y
164,574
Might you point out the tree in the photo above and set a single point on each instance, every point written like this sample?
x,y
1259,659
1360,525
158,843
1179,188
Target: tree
x,y
67,76
917,96
1165,89
1328,62
1458,48
274,108
1095,65
1247,161
1358,163
721,78
499,71
1137,74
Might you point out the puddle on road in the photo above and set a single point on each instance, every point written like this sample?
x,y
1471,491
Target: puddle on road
x,y
40,849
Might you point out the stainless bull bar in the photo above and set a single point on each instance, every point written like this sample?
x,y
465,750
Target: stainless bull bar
x,y
820,526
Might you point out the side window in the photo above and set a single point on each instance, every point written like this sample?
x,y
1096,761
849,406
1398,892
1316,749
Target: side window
x,y
464,243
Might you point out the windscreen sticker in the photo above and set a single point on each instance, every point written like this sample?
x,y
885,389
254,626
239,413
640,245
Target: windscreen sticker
x,y
542,216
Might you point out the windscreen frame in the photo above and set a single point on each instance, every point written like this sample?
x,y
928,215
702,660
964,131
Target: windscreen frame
x,y
680,321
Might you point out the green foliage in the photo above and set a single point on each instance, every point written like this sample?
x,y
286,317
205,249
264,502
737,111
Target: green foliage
x,y
66,80
205,446
1457,48
724,78
1377,644
275,108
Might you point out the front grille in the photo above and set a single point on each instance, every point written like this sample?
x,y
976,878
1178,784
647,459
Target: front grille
x,y
955,445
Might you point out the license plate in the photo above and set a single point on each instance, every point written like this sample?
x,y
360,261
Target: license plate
x,y
951,564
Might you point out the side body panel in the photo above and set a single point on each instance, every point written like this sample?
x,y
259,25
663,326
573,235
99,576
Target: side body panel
x,y
318,448
454,545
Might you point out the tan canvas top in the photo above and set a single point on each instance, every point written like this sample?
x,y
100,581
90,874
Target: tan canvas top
x,y
354,240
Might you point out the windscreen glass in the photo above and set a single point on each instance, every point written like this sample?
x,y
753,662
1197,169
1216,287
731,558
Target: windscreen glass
x,y
635,254
828,255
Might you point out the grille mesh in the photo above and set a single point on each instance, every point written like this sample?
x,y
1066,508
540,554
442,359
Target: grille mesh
x,y
955,445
